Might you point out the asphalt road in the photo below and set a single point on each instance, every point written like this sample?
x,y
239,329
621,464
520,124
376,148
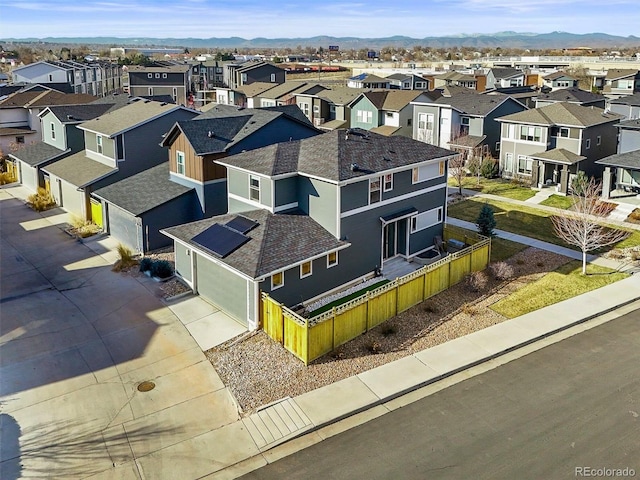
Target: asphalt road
x,y
574,404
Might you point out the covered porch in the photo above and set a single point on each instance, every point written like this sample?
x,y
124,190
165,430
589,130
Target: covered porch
x,y
555,168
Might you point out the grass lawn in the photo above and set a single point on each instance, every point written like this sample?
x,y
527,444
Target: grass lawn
x,y
561,284
558,201
523,220
502,249
495,186
346,299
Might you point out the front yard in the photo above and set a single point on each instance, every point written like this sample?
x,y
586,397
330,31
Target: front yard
x,y
528,221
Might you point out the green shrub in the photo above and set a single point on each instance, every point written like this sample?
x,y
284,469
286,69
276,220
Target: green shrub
x,y
161,269
489,168
145,264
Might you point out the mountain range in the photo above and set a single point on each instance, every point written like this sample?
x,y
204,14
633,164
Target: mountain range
x,y
553,40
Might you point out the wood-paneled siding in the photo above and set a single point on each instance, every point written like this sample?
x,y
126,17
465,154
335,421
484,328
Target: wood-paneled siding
x,y
197,167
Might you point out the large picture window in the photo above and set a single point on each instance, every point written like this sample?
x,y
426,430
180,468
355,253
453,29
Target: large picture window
x,y
427,172
530,134
426,219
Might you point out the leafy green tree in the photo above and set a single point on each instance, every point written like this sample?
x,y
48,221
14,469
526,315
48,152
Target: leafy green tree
x,y
486,222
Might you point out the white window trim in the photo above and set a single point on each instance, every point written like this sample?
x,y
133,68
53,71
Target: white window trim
x,y
587,144
99,145
527,161
439,215
275,287
273,78
310,262
149,75
252,188
598,140
157,75
53,131
384,182
184,166
329,264
440,169
164,75
379,190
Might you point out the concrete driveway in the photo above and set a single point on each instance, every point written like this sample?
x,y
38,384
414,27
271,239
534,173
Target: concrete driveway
x,y
76,340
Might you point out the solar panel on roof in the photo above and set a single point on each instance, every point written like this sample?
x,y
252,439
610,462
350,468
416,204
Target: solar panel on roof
x,y
241,224
220,240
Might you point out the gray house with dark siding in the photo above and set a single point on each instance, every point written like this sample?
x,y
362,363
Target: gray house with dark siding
x,y
621,177
329,211
118,144
463,120
628,106
547,146
225,130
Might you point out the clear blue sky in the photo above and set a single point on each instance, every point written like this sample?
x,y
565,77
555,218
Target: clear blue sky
x,y
297,18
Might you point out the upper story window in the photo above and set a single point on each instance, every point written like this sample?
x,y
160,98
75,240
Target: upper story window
x,y
306,269
243,77
304,107
587,144
332,259
426,219
273,77
374,190
157,75
99,144
427,172
277,280
425,121
149,75
180,163
530,134
563,132
164,75
53,131
364,116
598,140
464,121
388,182
254,188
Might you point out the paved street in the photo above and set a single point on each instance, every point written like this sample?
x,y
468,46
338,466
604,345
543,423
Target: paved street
x,y
76,339
573,404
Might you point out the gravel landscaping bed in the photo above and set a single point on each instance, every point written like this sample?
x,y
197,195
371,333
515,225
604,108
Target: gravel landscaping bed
x,y
259,371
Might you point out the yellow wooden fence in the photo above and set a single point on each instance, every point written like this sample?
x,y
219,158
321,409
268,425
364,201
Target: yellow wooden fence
x,y
309,339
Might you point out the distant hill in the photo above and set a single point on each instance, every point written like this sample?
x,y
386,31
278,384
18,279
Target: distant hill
x,y
554,40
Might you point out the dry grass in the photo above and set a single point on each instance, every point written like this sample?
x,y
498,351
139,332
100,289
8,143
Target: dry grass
x,y
41,200
126,259
83,228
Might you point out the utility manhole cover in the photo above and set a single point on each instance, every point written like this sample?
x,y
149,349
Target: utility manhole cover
x,y
146,386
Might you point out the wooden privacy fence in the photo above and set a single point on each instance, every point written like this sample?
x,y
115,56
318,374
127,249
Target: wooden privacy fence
x,y
310,338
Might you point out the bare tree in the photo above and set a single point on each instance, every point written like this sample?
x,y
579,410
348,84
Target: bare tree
x,y
458,171
582,225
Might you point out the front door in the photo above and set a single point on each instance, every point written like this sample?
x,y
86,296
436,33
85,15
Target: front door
x,y
390,241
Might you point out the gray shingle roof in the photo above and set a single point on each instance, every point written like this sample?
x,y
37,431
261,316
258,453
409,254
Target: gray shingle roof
x,y
632,124
128,117
279,240
505,72
79,113
229,125
144,191
332,155
79,170
573,94
559,155
617,73
563,113
628,100
471,103
37,153
626,160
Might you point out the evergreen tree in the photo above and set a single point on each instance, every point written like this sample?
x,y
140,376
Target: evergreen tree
x,y
486,221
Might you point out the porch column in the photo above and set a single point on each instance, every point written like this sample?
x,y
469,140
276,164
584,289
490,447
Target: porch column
x,y
564,179
606,183
535,181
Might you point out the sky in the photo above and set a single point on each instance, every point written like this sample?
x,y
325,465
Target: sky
x,y
300,19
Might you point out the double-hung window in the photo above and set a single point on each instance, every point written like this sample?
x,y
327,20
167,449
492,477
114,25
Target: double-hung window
x,y
99,144
388,182
374,190
180,167
524,165
254,188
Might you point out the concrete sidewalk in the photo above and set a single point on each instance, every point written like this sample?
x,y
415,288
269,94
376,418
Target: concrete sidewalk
x,y
383,389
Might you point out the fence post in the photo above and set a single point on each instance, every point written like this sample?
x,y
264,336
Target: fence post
x,y
333,322
368,311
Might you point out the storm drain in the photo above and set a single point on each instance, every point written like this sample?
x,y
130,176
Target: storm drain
x,y
146,386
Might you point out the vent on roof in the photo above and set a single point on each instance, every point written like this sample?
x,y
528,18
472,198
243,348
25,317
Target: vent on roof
x,y
163,104
70,117
210,134
355,167
386,159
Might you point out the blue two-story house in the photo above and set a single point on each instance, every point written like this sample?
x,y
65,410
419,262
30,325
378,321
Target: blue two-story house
x,y
314,216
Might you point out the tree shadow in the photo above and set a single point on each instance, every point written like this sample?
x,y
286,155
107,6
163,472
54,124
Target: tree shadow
x,y
64,449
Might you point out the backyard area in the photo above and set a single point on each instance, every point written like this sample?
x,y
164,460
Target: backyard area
x,y
259,371
495,186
